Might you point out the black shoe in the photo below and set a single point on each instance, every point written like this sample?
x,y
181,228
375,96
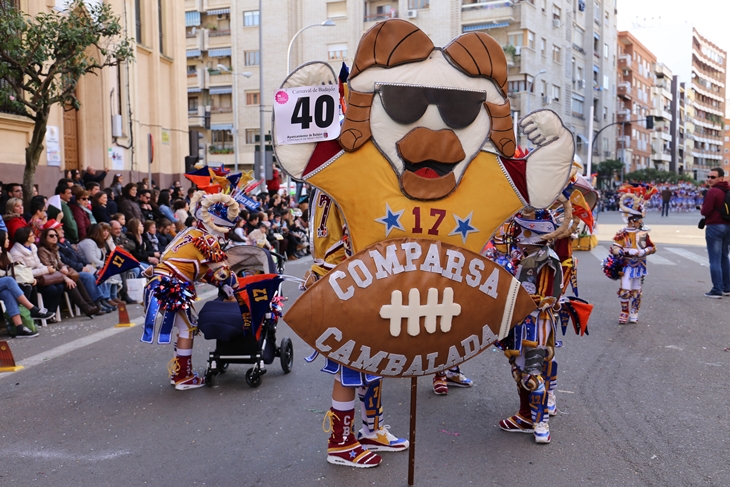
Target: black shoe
x,y
24,332
40,313
92,311
128,300
101,304
107,304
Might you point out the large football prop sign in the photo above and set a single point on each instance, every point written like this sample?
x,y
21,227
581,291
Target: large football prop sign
x,y
368,313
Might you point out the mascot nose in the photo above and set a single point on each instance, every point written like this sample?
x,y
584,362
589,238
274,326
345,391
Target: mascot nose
x,y
422,144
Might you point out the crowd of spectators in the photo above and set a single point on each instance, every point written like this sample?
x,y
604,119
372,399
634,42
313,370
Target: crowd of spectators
x,y
54,249
671,197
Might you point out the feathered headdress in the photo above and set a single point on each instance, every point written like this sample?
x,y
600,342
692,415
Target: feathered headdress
x,y
632,202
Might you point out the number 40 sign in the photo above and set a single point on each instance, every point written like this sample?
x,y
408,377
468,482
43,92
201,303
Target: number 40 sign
x,y
307,114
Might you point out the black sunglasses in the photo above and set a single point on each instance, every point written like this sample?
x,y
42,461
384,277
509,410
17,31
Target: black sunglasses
x,y
712,177
54,235
407,103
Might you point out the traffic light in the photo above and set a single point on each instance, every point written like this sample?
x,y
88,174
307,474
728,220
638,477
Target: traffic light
x,y
196,142
650,122
206,120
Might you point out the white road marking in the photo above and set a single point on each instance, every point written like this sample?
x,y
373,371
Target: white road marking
x,y
701,260
599,252
64,455
83,342
659,260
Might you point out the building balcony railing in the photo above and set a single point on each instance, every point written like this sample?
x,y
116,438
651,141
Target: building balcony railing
x,y
625,61
624,89
393,14
219,79
499,11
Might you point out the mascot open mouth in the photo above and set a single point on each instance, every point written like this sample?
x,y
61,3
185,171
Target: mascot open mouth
x,y
429,157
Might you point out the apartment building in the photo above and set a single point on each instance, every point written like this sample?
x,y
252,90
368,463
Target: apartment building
x,y
702,66
661,98
561,55
634,88
726,146
126,113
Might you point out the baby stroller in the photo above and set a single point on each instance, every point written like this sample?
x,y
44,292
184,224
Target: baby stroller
x,y
245,330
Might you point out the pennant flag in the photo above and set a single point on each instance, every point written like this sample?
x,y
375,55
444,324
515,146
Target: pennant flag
x,y
118,261
248,202
344,73
221,171
200,177
581,209
233,180
254,298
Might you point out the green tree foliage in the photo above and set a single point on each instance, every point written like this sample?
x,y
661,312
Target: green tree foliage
x,y
42,59
608,170
657,176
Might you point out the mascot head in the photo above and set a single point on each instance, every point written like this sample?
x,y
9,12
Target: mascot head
x,y
217,213
428,110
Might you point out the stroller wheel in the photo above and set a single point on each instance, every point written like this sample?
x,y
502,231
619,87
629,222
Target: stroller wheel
x,y
223,367
286,352
253,380
209,378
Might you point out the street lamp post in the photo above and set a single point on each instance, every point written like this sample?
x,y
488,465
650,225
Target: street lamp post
x,y
326,23
234,99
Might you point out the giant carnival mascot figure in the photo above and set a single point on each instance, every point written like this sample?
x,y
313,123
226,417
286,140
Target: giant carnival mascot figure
x,y
426,151
631,245
195,254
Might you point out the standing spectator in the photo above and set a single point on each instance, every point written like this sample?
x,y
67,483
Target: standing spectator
x,y
666,198
128,202
145,205
163,206
83,221
67,219
117,185
14,217
274,183
717,234
99,208
92,175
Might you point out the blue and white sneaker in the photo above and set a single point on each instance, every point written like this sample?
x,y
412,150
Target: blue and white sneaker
x,y
456,378
552,407
381,440
542,433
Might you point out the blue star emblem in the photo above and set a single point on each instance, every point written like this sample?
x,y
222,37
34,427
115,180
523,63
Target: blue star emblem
x,y
463,227
391,220
353,454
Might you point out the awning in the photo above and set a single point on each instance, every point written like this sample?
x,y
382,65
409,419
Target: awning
x,y
470,28
218,11
582,137
221,90
596,36
595,68
193,53
221,126
194,90
192,19
225,52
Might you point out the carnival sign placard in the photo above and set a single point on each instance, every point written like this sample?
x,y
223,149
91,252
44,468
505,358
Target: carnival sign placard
x,y
369,313
307,114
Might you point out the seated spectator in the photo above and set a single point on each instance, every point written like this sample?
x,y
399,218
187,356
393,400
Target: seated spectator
x,y
14,216
121,240
93,188
181,208
39,217
141,252
94,249
150,237
80,212
24,251
163,206
99,208
111,201
64,214
119,217
165,232
128,202
74,284
145,205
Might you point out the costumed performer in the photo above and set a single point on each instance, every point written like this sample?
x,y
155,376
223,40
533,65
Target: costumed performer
x,y
195,254
630,247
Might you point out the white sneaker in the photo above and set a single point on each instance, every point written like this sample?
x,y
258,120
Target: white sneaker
x,y
552,407
381,440
542,433
634,318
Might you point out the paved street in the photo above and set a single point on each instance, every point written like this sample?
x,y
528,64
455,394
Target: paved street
x,y
640,405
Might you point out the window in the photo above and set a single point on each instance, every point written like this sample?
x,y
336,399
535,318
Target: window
x,y
556,53
543,88
336,51
413,4
515,39
193,104
515,86
605,113
221,139
252,98
579,75
544,6
605,81
138,20
596,13
336,9
606,18
250,18
605,50
543,43
556,12
576,105
192,70
252,136
251,58
578,34
531,40
556,93
161,25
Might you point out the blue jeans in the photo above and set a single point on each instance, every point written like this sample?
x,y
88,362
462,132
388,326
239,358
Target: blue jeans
x,y
718,246
9,294
89,282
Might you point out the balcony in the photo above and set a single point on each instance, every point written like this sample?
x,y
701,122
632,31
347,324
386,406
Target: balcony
x,y
495,11
195,41
217,39
195,82
379,10
625,62
216,4
194,5
196,117
623,89
216,78
623,115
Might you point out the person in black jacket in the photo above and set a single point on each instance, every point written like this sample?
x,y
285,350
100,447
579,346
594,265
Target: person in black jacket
x,y
141,252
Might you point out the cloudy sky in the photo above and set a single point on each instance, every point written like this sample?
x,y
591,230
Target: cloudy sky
x,y
711,18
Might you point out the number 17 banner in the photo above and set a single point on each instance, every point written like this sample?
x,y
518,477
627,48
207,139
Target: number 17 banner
x,y
307,114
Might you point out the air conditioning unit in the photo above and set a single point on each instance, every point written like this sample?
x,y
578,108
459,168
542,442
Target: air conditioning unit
x,y
556,23
412,14
546,100
581,83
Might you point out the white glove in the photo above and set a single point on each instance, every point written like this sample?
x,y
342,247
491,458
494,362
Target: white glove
x,y
228,290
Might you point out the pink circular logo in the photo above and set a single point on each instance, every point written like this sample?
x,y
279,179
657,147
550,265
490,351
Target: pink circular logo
x,y
281,97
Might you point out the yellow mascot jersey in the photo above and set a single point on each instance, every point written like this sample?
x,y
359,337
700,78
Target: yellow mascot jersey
x,y
182,259
367,190
327,234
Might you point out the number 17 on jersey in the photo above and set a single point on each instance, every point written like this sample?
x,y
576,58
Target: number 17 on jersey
x,y
307,114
